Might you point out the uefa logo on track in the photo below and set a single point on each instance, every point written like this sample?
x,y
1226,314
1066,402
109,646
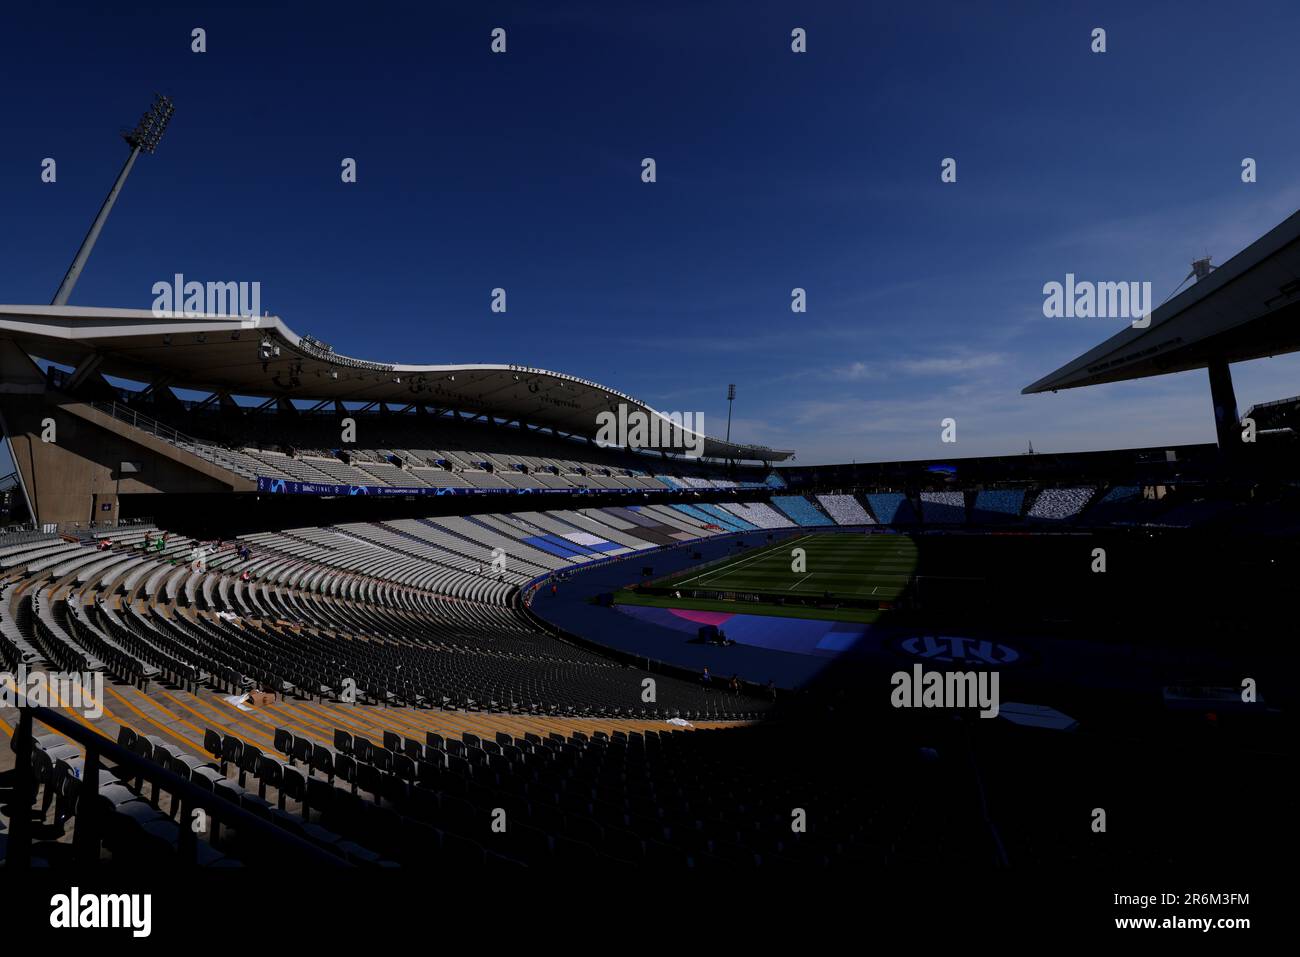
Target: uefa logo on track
x,y
953,649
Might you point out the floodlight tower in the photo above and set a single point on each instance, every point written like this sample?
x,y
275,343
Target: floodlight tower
x,y
731,398
144,138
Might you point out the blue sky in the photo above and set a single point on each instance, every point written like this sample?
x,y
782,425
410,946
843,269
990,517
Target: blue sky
x,y
775,170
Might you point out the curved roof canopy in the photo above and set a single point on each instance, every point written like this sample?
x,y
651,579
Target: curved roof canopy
x,y
1247,308
220,353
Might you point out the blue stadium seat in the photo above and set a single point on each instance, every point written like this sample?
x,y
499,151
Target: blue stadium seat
x,y
801,510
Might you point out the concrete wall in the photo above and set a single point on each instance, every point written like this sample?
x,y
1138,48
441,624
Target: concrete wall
x,y
72,478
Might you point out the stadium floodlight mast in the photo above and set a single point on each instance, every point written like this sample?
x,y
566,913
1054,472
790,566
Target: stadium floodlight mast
x,y
731,397
144,138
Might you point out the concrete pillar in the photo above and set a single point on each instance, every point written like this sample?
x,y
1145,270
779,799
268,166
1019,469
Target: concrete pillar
x,y
1227,422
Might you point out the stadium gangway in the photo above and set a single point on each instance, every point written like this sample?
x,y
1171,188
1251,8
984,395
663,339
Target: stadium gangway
x,y
87,826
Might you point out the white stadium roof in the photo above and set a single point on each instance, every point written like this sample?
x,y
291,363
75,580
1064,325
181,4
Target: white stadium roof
x,y
1248,308
220,353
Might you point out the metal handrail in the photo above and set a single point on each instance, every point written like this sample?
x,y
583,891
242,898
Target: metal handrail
x,y
24,533
86,825
165,432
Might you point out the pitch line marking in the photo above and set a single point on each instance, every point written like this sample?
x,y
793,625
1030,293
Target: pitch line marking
x,y
747,558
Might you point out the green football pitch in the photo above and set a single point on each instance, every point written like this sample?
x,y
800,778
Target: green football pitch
x,y
845,565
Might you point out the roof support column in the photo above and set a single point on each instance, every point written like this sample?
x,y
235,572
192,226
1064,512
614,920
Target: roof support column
x,y
1227,422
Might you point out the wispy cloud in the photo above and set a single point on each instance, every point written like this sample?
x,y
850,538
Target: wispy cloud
x,y
950,365
955,364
